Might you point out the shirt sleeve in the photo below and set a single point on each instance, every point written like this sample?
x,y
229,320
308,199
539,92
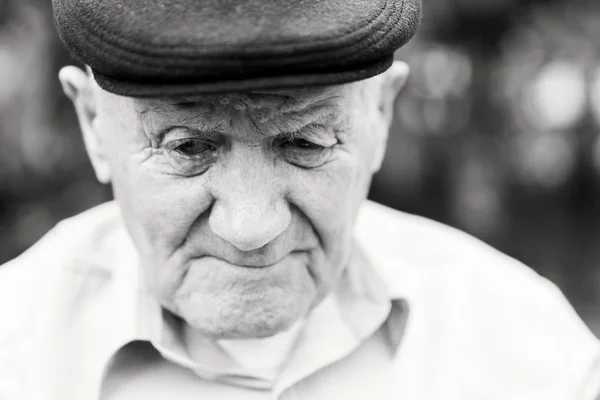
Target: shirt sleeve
x,y
521,334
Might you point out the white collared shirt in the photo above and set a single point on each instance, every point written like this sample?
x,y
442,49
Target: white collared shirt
x,y
440,316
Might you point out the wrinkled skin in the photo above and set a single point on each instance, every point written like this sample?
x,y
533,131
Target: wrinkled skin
x,y
241,205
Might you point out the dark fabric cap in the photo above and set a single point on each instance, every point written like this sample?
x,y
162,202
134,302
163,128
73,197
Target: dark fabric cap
x,y
144,48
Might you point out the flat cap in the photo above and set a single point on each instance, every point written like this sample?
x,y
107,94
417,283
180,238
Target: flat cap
x,y
144,48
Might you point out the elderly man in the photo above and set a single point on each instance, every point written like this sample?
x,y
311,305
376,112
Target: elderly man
x,y
240,259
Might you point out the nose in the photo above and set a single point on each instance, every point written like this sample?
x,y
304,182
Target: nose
x,y
250,209
249,225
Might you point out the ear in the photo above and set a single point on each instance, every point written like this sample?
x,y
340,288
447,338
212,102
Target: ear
x,y
78,86
392,81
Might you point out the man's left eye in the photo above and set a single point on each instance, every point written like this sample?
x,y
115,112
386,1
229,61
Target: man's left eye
x,y
301,144
304,153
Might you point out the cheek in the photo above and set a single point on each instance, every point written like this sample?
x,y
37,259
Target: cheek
x,y
158,209
166,209
159,212
330,198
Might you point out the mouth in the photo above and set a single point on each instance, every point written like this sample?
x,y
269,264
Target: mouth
x,y
256,262
266,263
256,265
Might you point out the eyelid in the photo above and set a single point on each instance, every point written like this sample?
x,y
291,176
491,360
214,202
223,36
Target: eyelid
x,y
172,133
178,142
308,133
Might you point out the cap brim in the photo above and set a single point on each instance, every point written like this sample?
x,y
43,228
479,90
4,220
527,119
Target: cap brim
x,y
157,89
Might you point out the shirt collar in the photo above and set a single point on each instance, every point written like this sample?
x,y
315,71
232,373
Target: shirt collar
x,y
99,302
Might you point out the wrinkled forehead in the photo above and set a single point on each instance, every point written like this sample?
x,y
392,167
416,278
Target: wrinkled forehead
x,y
276,100
271,111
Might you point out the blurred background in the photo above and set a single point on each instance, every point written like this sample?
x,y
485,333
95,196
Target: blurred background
x,y
497,133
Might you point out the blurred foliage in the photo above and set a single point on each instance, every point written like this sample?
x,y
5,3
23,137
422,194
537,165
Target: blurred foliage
x,y
496,133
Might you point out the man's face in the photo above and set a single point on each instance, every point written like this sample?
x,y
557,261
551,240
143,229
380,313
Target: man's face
x,y
242,205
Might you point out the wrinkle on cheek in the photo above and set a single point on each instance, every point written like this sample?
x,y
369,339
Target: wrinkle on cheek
x,y
146,154
346,186
344,133
325,187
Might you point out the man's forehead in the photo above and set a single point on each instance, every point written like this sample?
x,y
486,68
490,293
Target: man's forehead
x,y
282,100
269,112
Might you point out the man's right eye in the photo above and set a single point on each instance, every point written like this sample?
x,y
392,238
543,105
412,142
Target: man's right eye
x,y
191,147
190,155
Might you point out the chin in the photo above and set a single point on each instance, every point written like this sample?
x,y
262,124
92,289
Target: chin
x,y
222,300
232,317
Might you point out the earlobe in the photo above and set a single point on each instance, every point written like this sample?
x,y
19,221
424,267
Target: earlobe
x,y
77,86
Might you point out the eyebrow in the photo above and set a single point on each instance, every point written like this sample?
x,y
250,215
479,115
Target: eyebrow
x,y
292,133
283,121
150,115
